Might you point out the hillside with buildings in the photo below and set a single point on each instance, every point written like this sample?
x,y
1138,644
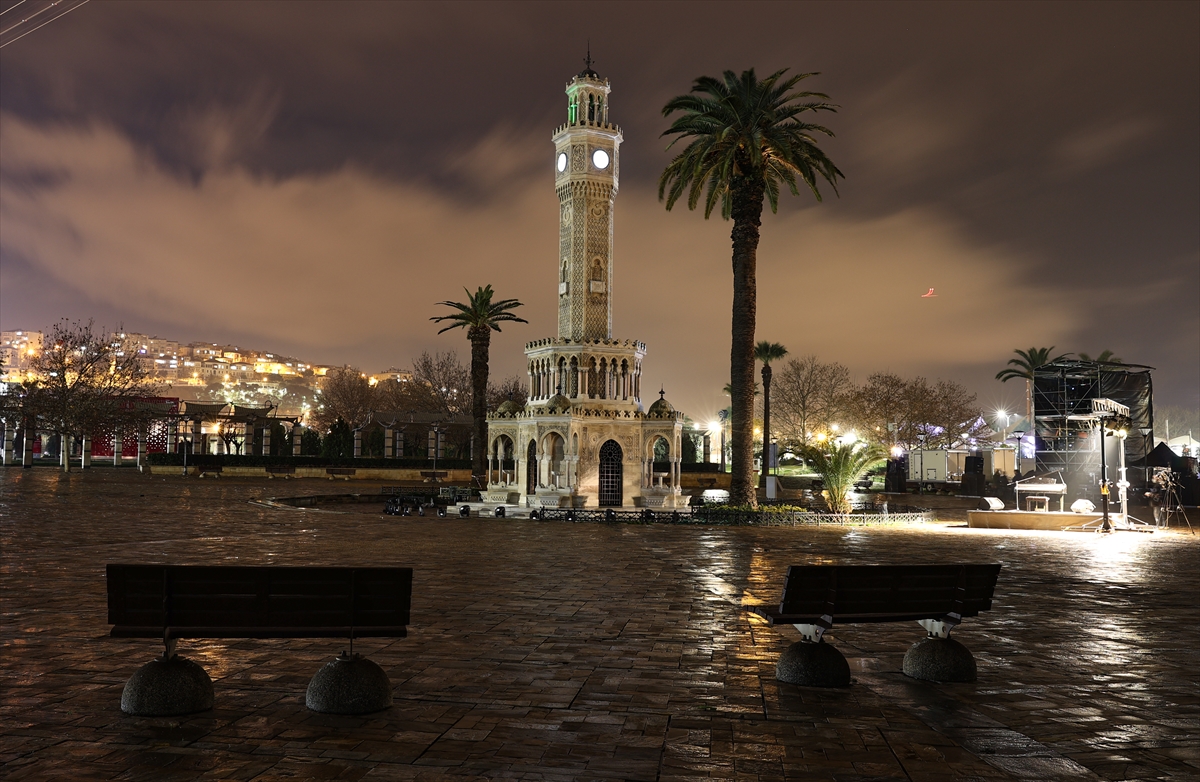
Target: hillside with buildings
x,y
202,371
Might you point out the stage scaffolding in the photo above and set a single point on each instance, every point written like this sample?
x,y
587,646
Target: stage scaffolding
x,y
1067,436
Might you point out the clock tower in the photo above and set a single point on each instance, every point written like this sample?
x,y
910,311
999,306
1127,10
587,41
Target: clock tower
x,y
583,438
586,155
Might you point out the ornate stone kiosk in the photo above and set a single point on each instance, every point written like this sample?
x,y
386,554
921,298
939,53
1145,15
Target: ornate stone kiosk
x,y
584,439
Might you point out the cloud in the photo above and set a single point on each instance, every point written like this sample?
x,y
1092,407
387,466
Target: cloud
x,y
347,266
1100,144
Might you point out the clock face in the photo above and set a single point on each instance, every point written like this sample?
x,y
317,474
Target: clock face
x,y
562,161
600,158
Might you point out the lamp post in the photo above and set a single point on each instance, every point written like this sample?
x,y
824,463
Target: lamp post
x,y
1106,526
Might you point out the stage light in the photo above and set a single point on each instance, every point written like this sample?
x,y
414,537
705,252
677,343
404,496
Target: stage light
x,y
897,452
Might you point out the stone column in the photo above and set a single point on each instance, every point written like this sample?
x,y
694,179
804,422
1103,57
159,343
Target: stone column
x,y
141,454
8,443
85,453
118,440
297,438
27,445
64,452
358,443
172,436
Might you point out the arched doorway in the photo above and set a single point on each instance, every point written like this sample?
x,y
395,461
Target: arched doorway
x,y
531,468
611,477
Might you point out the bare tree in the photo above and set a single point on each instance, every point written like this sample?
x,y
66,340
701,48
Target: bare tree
x,y
84,382
882,409
512,387
448,379
346,394
950,415
891,410
808,397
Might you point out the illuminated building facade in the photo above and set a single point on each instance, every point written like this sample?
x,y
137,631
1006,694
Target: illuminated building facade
x,y
584,439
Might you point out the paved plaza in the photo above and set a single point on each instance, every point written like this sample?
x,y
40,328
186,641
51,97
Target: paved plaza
x,y
559,651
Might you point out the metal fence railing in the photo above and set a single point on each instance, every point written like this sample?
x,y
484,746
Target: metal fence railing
x,y
734,516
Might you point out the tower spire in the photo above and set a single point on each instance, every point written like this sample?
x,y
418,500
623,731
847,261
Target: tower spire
x,y
587,61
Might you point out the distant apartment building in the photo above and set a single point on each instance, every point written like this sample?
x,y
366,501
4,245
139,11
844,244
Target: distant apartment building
x,y
392,373
159,356
16,350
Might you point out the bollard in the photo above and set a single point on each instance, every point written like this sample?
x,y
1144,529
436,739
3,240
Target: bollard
x,y
499,512
464,512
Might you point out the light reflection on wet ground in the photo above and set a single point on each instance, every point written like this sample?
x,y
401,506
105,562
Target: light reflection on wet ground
x,y
592,651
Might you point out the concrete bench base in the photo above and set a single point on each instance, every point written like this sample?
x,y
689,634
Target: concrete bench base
x,y
939,660
349,684
811,664
166,687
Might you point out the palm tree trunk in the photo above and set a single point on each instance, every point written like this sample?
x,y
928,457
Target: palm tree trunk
x,y
747,197
766,449
481,340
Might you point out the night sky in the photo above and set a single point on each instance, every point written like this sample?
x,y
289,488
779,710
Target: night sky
x,y
312,178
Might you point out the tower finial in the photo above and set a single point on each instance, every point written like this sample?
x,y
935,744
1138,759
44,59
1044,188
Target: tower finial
x,y
587,61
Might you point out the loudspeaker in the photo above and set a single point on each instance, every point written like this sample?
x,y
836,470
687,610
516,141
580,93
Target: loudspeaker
x,y
991,503
974,465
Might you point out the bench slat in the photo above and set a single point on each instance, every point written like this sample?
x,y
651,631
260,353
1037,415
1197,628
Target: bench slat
x,y
304,600
870,593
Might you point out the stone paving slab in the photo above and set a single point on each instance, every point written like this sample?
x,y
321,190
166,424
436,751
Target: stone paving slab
x,y
558,651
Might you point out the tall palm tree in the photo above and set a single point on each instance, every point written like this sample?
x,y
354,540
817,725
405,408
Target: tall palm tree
x,y
1023,367
840,465
480,316
766,352
745,139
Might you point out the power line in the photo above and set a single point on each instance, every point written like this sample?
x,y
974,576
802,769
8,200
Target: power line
x,y
40,26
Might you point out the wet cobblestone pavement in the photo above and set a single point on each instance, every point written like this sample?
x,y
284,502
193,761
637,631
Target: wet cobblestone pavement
x,y
547,650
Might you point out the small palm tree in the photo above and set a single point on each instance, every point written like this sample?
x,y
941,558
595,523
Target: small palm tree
x,y
480,316
841,464
1106,357
1023,367
766,352
746,139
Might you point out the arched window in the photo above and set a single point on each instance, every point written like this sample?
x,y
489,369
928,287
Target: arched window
x,y
611,475
591,110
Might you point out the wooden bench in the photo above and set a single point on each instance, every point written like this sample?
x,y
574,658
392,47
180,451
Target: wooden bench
x,y
340,472
286,472
171,602
937,596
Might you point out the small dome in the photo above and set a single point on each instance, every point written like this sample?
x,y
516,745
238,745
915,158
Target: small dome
x,y
509,407
559,402
661,406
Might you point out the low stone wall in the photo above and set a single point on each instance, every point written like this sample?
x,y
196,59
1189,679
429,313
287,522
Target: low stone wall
x,y
1019,519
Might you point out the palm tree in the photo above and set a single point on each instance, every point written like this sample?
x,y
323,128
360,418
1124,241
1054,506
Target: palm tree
x,y
744,141
1023,367
480,316
766,352
1106,357
841,466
